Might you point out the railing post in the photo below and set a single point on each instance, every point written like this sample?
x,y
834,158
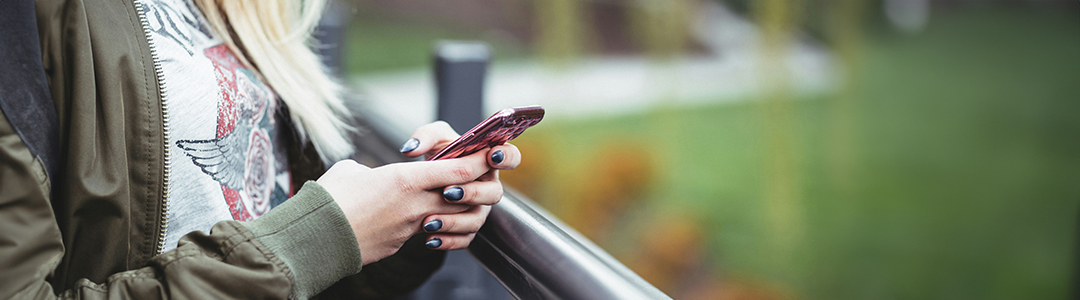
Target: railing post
x,y
459,78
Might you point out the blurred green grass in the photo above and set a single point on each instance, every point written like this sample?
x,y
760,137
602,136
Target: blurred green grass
x,y
967,178
376,43
965,147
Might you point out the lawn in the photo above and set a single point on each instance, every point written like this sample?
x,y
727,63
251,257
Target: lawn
x,y
377,43
954,172
960,178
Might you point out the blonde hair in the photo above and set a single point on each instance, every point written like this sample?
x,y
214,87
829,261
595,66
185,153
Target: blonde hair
x,y
271,37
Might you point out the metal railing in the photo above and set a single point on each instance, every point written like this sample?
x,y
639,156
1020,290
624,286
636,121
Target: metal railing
x,y
536,256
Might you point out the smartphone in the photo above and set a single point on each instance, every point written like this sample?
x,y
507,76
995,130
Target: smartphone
x,y
497,129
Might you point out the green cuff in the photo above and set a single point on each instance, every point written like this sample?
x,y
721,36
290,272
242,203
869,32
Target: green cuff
x,y
312,236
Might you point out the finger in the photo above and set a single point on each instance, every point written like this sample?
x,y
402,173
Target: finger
x,y
468,221
428,175
439,206
428,138
504,157
492,175
474,193
443,241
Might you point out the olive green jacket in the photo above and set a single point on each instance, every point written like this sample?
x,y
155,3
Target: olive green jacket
x,y
100,235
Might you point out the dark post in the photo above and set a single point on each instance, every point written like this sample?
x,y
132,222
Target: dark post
x,y
459,77
330,37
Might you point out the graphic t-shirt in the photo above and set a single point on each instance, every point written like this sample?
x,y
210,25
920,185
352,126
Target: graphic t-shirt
x,y
226,158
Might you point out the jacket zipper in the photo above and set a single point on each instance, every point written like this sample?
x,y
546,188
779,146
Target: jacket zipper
x,y
159,75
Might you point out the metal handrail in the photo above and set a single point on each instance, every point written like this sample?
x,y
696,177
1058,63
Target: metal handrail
x,y
531,253
536,256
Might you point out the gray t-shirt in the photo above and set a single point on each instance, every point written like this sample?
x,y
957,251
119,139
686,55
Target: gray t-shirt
x,y
227,159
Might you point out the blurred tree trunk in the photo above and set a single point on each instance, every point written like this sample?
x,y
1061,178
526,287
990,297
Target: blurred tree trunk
x,y
560,30
782,184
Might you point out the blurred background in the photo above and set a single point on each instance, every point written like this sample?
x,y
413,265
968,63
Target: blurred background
x,y
802,149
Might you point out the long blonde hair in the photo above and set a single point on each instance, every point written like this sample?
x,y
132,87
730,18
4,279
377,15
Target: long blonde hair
x,y
271,37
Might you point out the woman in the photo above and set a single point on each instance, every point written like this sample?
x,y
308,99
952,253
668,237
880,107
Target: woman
x,y
194,137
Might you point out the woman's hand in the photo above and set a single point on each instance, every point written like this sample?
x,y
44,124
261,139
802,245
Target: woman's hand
x,y
456,231
387,205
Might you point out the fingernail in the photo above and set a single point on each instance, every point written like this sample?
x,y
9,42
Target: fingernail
x,y
433,243
410,145
433,226
453,193
497,157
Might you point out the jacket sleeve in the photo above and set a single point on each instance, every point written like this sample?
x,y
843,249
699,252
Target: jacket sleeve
x,y
294,251
390,277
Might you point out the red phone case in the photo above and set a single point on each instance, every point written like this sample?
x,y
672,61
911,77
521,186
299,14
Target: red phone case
x,y
501,127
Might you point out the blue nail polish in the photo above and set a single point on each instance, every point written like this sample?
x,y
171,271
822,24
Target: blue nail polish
x,y
433,243
433,226
453,193
410,145
497,157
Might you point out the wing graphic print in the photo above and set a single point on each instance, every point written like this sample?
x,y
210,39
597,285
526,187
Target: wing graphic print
x,y
222,158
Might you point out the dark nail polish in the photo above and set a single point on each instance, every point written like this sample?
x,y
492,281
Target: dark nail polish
x,y
433,226
497,157
410,145
433,243
453,193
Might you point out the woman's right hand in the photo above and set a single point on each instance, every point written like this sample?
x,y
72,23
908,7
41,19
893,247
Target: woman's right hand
x,y
386,205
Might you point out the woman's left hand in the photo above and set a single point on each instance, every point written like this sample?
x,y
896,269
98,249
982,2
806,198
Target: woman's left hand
x,y
456,231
